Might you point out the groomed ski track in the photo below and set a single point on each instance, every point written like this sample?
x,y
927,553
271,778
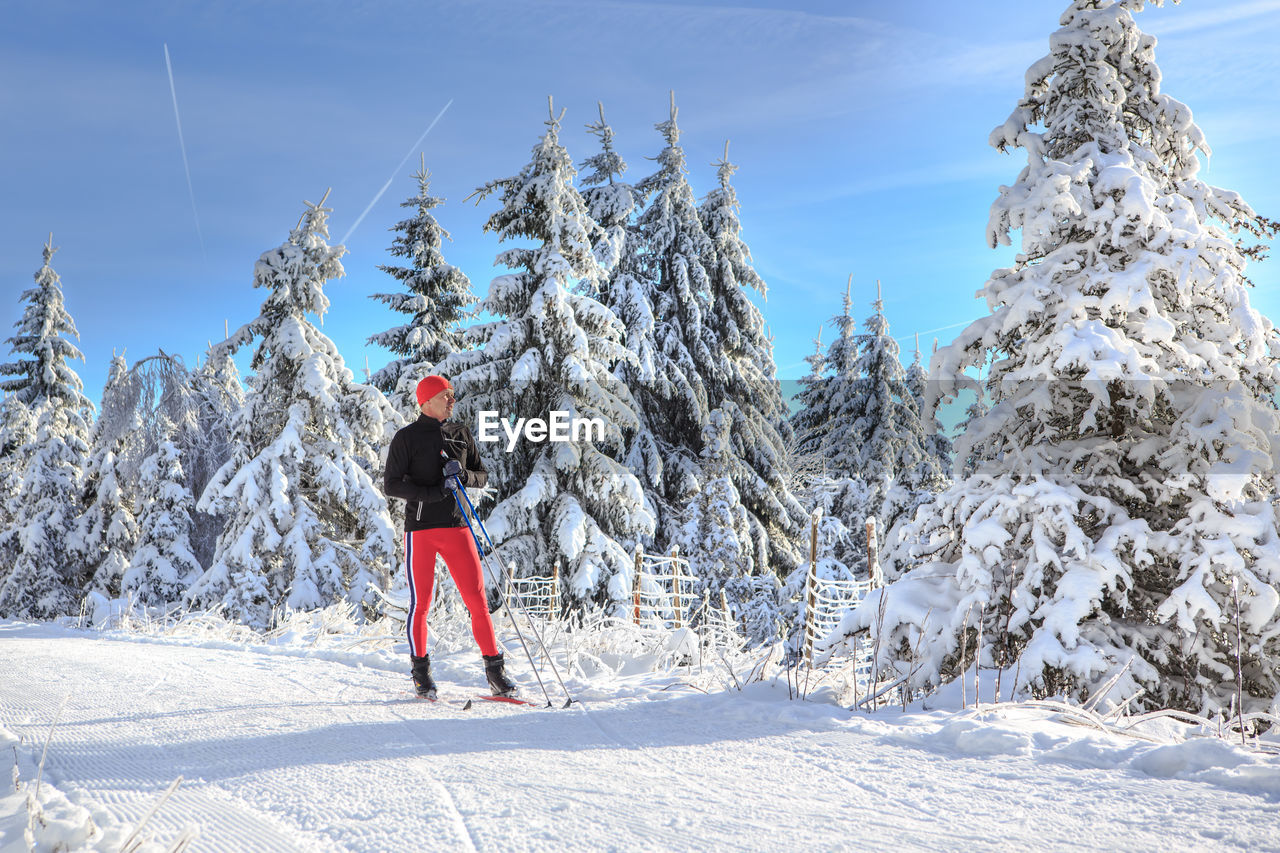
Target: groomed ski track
x,y
287,750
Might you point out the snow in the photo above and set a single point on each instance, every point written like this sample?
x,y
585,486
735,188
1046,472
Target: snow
x,y
308,739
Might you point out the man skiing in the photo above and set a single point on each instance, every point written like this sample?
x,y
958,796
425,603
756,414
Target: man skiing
x,y
434,524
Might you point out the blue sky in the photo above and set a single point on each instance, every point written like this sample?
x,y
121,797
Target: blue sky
x,y
859,128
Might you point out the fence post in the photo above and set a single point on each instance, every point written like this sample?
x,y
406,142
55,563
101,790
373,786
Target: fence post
x,y
635,586
873,555
553,611
811,585
675,583
507,585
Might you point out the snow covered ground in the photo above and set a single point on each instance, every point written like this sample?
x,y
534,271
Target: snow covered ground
x,y
309,740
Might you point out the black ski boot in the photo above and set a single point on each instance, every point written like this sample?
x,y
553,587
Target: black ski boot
x,y
496,672
422,681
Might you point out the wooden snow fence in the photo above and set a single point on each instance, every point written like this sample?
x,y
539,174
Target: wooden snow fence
x,y
662,590
537,595
826,600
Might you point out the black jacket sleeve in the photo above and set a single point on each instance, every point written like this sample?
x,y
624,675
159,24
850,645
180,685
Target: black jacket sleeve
x,y
396,482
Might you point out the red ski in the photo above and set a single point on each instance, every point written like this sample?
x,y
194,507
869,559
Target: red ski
x,y
510,700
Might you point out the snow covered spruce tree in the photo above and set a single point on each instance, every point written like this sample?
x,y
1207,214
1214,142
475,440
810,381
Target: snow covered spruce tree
x,y
843,499
39,577
1125,474
823,425
825,428
892,454
745,375
107,531
925,468
163,566
305,524
550,349
437,300
829,477
667,385
628,292
205,437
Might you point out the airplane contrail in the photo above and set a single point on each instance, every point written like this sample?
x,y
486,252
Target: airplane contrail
x,y
183,145
387,185
931,331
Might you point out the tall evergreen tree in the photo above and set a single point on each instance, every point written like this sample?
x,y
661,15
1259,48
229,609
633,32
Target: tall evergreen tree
x,y
17,442
843,500
1125,475
925,463
305,524
882,409
437,300
550,348
746,376
629,293
670,395
38,575
903,471
824,428
45,335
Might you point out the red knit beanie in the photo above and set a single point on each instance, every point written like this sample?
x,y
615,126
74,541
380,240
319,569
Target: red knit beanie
x,y
431,386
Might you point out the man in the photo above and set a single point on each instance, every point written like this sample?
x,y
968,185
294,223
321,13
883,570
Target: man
x,y
433,524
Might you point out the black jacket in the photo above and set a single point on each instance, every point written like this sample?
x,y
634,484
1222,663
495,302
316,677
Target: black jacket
x,y
415,471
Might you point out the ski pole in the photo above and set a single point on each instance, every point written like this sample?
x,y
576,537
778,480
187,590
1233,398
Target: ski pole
x,y
502,575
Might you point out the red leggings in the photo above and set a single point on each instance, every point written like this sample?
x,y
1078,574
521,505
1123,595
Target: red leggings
x,y
458,549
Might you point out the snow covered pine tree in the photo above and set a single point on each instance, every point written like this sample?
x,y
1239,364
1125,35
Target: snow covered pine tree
x,y
551,348
439,295
744,383
629,294
1125,476
671,400
39,578
306,524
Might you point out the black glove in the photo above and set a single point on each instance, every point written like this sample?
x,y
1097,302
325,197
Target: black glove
x,y
453,475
